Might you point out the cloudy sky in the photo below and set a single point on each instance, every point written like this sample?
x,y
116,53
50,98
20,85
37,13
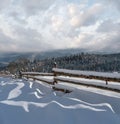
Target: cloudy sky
x,y
40,25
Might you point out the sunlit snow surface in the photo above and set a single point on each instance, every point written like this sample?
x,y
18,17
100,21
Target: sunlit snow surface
x,y
30,102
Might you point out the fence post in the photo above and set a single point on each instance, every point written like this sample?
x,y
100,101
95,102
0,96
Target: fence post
x,y
20,74
54,80
106,82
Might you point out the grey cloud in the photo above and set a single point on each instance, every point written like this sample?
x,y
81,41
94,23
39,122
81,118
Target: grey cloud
x,y
25,32
33,6
111,29
91,15
108,43
16,16
4,3
30,40
109,26
106,38
112,43
6,43
4,39
111,3
115,3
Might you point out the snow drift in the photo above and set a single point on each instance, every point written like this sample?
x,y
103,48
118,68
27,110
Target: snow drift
x,y
29,102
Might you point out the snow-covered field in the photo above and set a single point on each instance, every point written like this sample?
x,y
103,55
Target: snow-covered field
x,y
33,102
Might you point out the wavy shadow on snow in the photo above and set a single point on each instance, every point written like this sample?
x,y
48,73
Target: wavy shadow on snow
x,y
33,92
39,102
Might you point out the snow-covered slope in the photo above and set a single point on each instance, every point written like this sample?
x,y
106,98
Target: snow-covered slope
x,y
29,102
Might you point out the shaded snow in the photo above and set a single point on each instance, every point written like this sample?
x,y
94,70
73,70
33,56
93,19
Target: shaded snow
x,y
30,102
15,92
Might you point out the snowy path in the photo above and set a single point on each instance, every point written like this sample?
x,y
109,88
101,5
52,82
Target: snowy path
x,y
29,102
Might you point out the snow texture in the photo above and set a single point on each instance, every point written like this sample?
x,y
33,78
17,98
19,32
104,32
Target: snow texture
x,y
34,102
89,73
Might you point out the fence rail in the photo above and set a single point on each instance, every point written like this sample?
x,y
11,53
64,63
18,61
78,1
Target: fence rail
x,y
41,79
37,74
114,77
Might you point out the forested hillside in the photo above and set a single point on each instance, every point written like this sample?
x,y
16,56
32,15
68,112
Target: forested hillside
x,y
82,61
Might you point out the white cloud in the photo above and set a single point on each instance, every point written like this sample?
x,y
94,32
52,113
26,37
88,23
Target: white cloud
x,y
40,25
5,27
87,17
57,22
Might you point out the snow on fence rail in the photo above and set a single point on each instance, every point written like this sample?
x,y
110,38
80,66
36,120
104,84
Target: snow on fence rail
x,y
34,75
49,81
37,74
88,74
57,73
115,77
96,84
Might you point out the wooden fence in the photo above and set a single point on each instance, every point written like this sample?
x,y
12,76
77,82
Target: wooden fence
x,y
57,73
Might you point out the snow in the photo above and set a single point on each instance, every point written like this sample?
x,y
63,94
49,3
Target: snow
x,y
15,92
88,73
34,102
37,73
93,82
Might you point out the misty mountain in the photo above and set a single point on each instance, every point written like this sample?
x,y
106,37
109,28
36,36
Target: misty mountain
x,y
9,57
6,58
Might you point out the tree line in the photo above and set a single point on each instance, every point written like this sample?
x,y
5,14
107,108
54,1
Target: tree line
x,y
81,61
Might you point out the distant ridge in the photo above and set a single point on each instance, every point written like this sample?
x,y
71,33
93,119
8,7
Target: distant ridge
x,y
6,58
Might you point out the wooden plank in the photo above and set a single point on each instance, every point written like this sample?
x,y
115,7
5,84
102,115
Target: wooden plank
x,y
61,72
72,73
89,85
40,79
37,74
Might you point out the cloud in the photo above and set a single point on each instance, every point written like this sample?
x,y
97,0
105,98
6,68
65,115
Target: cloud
x,y
34,6
4,3
111,30
111,4
108,42
40,25
109,26
113,43
4,39
115,3
30,40
6,43
86,17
